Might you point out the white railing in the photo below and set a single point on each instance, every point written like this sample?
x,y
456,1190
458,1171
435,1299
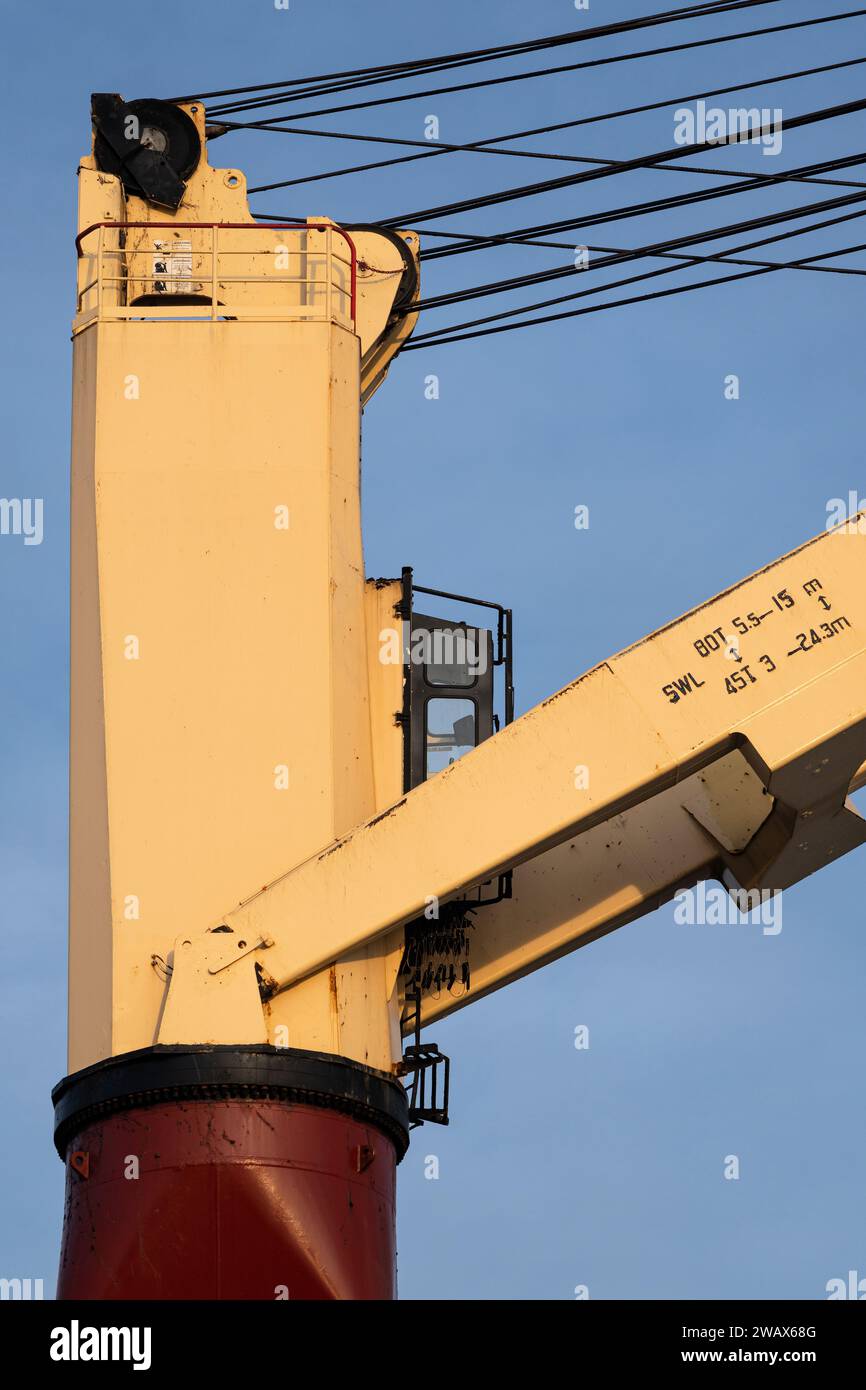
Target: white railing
x,y
216,271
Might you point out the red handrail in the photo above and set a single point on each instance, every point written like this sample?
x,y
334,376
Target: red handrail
x,y
246,226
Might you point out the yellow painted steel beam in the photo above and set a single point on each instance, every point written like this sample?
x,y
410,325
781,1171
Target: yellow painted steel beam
x,y
772,671
609,876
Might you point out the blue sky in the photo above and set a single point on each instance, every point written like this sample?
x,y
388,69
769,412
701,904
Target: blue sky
x,y
560,1168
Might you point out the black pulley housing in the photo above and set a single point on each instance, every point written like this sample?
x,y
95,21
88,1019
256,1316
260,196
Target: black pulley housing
x,y
153,146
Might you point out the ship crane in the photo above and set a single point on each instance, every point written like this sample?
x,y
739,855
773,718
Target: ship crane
x,y
295,842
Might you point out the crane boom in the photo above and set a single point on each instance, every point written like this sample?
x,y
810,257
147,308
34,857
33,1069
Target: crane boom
x,y
745,717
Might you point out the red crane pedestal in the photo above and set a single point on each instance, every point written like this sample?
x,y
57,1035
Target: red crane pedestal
x,y
229,1173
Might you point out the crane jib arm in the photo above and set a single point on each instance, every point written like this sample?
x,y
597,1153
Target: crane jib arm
x,y
747,717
